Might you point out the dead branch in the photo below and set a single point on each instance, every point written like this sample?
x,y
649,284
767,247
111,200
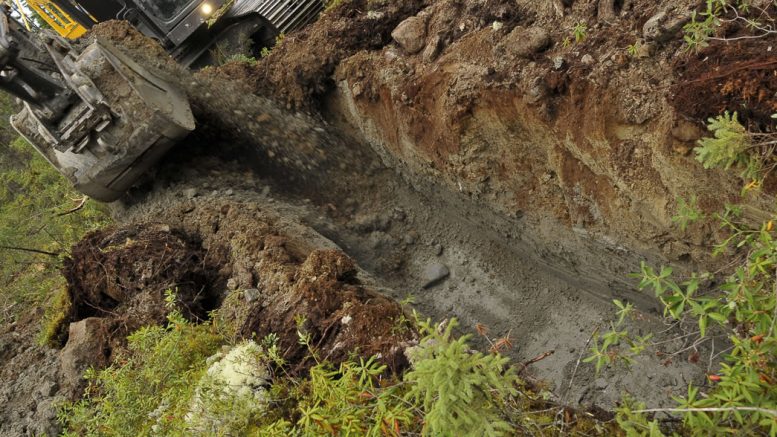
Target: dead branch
x,y
27,249
77,208
539,357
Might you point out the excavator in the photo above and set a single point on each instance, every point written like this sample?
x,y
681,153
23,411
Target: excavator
x,y
100,118
188,29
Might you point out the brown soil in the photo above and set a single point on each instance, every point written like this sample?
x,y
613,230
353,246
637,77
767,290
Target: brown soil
x,y
348,30
281,273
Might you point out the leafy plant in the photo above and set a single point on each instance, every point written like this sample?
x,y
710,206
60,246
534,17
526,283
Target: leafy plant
x,y
616,346
148,389
703,26
460,392
580,31
742,396
633,49
687,212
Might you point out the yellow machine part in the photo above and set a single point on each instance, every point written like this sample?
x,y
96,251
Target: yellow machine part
x,y
61,22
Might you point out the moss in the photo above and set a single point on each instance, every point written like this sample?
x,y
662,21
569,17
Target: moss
x,y
55,320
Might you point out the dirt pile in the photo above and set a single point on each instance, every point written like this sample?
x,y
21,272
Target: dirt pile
x,y
284,277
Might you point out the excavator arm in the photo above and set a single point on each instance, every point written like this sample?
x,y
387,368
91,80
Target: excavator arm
x,y
96,115
59,19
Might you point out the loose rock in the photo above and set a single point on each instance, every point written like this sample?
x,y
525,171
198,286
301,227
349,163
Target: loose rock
x,y
86,347
434,274
411,34
524,42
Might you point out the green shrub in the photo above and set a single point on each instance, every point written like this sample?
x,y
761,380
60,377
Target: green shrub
x,y
687,212
741,398
461,393
166,385
729,145
147,391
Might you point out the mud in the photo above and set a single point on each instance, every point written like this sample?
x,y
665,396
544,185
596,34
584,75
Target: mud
x,y
283,277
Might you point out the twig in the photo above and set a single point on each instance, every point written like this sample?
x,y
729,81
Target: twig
x,y
538,358
78,207
579,359
712,354
27,249
708,410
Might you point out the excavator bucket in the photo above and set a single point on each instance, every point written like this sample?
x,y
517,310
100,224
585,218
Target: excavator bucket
x,y
121,121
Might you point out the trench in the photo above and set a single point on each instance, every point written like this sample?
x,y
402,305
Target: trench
x,y
547,297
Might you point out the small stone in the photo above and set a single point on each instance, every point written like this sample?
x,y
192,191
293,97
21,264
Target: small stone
x,y
432,49
251,295
435,273
558,62
687,131
229,192
587,59
48,388
232,284
346,320
600,384
663,28
524,42
411,34
190,193
645,50
438,249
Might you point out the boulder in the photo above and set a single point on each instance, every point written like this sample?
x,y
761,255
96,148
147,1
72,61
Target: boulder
x,y
663,27
411,34
87,346
524,42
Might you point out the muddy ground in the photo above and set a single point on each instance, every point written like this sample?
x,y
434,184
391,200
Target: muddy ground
x,y
475,161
